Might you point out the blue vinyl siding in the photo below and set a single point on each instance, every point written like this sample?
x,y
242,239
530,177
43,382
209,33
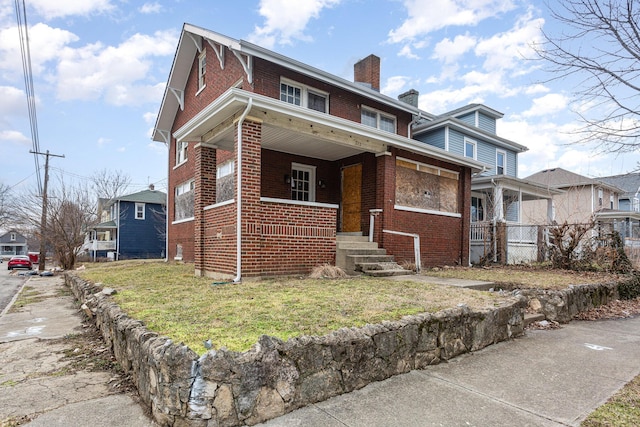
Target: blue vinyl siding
x,y
436,138
511,214
140,238
468,118
456,142
487,123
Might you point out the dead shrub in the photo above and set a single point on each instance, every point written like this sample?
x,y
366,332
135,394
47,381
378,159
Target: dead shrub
x,y
327,271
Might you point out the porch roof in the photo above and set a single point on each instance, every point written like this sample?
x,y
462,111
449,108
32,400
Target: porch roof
x,y
530,190
611,215
104,225
297,130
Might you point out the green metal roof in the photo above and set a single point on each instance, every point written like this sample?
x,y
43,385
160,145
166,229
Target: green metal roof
x,y
146,196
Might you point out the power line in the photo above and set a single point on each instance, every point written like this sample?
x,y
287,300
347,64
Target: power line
x,y
21,17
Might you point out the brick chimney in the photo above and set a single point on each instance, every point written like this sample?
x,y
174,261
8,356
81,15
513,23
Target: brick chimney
x,y
410,97
367,71
152,187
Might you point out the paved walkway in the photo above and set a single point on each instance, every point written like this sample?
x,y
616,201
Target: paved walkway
x,y
546,378
36,380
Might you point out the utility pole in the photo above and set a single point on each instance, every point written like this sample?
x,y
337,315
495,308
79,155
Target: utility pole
x,y
43,218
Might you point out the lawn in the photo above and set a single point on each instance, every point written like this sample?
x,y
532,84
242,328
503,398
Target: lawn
x,y
170,300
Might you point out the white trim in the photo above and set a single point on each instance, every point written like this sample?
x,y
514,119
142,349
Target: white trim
x,y
298,202
180,221
135,212
475,148
504,167
379,114
312,178
428,166
426,211
179,164
446,138
201,89
217,205
304,94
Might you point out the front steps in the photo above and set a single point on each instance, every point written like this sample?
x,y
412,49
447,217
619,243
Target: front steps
x,y
356,255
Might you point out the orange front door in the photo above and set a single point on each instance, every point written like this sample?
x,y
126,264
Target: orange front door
x,y
351,197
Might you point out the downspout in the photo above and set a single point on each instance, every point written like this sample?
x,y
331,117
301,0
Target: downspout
x,y
239,195
118,235
411,123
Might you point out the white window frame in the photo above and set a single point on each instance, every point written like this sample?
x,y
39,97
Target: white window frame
x,y
312,180
181,152
225,169
483,200
473,144
504,166
12,237
600,197
202,70
139,211
379,115
181,189
304,94
611,201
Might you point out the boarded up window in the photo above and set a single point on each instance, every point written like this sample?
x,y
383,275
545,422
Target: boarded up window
x,y
426,187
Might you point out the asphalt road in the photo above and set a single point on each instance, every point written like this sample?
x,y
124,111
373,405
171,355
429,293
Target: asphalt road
x,y
9,284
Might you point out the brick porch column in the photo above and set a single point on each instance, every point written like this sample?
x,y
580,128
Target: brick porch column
x,y
465,208
385,195
204,195
251,220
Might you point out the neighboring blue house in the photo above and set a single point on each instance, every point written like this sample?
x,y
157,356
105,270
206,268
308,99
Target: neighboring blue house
x,y
496,193
12,243
132,226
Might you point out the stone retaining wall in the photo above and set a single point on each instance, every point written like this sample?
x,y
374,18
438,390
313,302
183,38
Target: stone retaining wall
x,y
225,388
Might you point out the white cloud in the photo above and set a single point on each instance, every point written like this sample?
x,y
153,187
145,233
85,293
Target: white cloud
x,y
546,105
394,85
426,16
49,9
449,51
112,72
15,137
150,117
407,52
148,8
45,44
103,141
284,22
14,101
441,101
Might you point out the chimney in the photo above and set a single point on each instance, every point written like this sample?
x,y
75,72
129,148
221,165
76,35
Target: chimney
x,y
151,187
410,97
367,71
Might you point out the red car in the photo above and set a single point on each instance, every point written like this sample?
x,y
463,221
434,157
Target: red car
x,y
19,261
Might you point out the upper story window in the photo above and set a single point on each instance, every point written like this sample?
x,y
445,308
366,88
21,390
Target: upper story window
x,y
202,70
470,148
611,201
12,237
139,210
378,120
304,96
600,197
181,152
501,162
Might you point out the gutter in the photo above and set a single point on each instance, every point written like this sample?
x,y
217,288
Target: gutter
x,y
238,277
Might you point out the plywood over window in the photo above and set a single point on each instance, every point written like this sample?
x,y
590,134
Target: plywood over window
x,y
426,187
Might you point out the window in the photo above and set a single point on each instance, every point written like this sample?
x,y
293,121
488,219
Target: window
x,y
139,210
12,237
378,120
427,187
611,201
297,94
469,148
183,202
303,178
600,196
202,69
501,162
225,181
181,152
477,209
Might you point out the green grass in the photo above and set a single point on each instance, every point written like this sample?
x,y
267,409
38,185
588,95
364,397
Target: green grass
x,y
171,301
621,410
28,295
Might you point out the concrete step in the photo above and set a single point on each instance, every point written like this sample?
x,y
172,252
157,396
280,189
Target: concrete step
x,y
363,251
529,318
387,273
348,244
351,238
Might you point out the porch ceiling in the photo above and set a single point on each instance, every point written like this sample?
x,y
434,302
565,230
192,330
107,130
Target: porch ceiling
x,y
530,190
292,141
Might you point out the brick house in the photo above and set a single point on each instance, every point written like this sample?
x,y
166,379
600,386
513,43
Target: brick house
x,y
272,160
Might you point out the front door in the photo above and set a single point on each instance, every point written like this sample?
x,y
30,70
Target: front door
x,y
351,197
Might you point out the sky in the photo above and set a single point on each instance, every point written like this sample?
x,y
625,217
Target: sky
x,y
100,69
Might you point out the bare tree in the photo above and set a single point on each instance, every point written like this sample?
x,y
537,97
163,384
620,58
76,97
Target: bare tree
x,y
108,184
600,45
5,214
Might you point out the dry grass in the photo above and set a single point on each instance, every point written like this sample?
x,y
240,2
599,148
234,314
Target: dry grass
x,y
524,276
172,302
621,410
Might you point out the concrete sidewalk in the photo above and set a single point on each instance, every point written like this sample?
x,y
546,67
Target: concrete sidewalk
x,y
546,378
37,382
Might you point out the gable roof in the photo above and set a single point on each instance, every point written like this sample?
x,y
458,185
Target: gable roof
x,y
191,40
472,108
145,196
562,178
629,182
6,237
